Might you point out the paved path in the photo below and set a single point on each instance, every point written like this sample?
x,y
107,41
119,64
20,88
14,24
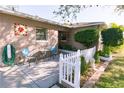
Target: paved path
x,y
44,74
55,86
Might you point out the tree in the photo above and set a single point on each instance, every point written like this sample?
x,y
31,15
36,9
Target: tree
x,y
119,8
114,25
112,37
68,13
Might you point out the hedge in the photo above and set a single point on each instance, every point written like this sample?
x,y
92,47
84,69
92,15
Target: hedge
x,y
112,37
87,37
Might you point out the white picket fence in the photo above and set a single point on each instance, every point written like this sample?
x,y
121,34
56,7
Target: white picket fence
x,y
88,54
69,66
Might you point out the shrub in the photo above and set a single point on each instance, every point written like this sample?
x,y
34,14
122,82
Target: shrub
x,y
84,65
87,37
67,47
97,56
105,52
112,37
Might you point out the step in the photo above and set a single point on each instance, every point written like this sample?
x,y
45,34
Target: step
x,y
48,81
55,86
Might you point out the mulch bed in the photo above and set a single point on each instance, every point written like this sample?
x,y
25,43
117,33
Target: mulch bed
x,y
88,74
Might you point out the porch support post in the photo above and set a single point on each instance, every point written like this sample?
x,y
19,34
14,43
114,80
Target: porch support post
x,y
60,68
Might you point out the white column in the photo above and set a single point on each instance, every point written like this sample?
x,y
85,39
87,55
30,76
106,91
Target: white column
x,y
60,68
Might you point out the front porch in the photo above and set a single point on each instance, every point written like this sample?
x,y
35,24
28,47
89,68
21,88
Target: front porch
x,y
41,75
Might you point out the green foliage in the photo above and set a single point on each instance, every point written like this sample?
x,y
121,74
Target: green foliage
x,y
84,65
114,25
121,27
97,56
113,77
67,47
117,48
68,13
112,37
106,51
119,8
87,37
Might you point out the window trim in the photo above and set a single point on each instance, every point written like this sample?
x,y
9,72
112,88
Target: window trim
x,y
44,40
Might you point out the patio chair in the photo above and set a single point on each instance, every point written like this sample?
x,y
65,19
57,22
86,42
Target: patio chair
x,y
28,55
36,55
53,51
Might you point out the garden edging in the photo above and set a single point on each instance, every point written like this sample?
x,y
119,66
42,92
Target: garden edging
x,y
90,83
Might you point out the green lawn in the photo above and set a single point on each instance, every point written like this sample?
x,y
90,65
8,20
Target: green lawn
x,y
113,77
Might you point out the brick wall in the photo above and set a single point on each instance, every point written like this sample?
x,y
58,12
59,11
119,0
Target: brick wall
x,y
7,34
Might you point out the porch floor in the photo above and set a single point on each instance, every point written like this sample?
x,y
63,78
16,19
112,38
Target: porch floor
x,y
41,75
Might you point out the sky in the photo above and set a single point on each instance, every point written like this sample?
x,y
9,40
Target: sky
x,y
94,14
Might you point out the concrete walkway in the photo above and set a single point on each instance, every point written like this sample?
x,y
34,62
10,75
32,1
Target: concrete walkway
x,y
42,75
55,86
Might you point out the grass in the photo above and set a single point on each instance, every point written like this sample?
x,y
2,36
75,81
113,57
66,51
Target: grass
x,y
117,48
113,77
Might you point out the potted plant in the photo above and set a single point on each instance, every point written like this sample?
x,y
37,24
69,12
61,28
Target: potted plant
x,y
106,54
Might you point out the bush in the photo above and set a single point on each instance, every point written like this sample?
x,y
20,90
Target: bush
x,y
105,52
97,56
112,37
87,37
67,47
84,65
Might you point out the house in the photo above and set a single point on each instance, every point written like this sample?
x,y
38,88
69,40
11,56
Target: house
x,y
68,35
24,30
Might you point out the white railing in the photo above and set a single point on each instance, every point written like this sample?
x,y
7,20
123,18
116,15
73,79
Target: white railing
x,y
69,66
88,54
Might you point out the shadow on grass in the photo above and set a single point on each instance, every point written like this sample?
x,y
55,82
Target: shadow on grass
x,y
113,77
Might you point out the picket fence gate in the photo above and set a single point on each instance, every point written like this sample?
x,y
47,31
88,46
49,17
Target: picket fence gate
x,y
69,66
70,69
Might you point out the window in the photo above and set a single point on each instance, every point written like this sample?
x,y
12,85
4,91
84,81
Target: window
x,y
41,34
63,36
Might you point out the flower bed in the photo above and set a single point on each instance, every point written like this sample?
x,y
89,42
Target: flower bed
x,y
88,74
